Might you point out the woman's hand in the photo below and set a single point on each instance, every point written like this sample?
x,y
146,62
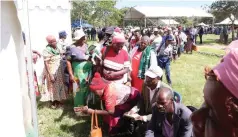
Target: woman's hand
x,y
90,111
71,77
110,74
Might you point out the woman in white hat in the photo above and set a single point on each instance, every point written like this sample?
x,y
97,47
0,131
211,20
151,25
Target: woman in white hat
x,y
79,67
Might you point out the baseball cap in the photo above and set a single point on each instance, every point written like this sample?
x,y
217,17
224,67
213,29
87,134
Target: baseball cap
x,y
154,71
169,37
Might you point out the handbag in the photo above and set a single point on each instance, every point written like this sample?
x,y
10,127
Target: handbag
x,y
95,130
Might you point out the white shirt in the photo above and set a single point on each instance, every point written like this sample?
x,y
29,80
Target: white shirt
x,y
194,31
152,92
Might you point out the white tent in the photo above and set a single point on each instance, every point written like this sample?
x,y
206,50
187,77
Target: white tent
x,y
45,17
169,22
139,12
202,24
15,104
227,21
153,14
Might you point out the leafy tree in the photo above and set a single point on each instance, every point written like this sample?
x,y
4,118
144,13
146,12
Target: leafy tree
x,y
98,13
224,9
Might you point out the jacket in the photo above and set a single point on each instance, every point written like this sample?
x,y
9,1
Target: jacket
x,y
182,125
145,105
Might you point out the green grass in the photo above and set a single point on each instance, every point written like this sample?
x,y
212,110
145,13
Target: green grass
x,y
211,50
187,77
212,39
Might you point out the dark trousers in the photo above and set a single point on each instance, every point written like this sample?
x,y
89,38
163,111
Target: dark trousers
x,y
164,63
226,38
179,51
196,39
200,36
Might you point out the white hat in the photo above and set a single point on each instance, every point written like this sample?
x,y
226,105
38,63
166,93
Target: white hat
x,y
78,34
155,29
154,71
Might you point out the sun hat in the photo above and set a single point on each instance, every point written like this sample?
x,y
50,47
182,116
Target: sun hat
x,y
227,71
154,71
155,29
97,82
78,34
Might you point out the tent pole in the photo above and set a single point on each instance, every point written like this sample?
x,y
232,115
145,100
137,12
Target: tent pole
x,y
30,69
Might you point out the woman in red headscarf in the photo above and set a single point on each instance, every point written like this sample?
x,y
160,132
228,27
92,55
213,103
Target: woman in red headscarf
x,y
116,61
117,99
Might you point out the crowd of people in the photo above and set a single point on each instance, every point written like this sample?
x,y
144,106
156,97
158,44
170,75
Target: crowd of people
x,y
123,72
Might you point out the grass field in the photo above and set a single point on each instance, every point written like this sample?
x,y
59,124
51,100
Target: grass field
x,y
187,77
210,49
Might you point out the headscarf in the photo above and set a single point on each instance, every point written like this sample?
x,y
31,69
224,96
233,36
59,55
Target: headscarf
x,y
232,45
118,38
97,82
50,39
227,72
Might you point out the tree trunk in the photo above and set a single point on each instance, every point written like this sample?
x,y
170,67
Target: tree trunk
x,y
233,32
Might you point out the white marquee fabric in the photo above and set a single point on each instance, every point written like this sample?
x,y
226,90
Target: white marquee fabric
x,y
169,22
202,24
12,75
46,17
140,12
227,21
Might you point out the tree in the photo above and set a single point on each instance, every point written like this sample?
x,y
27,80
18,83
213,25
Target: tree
x,y
224,9
98,13
81,10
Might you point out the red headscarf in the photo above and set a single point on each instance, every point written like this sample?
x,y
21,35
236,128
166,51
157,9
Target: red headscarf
x,y
97,82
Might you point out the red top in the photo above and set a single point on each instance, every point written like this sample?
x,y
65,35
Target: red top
x,y
136,82
115,61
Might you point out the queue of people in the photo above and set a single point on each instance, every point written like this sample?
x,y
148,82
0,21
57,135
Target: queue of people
x,y
127,80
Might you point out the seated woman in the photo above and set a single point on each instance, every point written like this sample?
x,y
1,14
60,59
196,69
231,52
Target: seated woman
x,y
117,99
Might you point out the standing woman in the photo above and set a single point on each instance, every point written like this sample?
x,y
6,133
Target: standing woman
x,y
116,61
53,72
79,68
142,57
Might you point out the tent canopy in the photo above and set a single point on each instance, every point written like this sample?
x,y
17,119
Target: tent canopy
x,y
202,24
227,21
78,23
139,12
169,22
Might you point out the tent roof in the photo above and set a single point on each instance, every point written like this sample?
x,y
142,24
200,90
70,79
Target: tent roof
x,y
169,21
140,12
202,24
227,21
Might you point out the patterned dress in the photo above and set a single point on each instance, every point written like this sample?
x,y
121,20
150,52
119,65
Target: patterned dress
x,y
55,90
82,70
